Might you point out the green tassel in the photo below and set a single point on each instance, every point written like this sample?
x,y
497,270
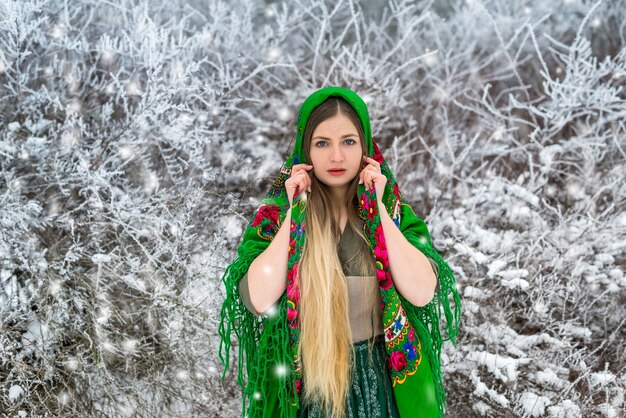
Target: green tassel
x,y
427,319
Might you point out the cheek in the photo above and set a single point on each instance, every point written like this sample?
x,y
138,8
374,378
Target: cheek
x,y
312,160
358,159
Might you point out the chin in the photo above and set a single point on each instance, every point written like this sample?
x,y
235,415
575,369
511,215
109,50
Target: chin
x,y
337,183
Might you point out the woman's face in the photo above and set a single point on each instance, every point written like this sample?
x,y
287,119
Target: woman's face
x,y
335,143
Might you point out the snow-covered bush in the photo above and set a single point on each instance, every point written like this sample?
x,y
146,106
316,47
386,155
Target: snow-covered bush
x,y
136,139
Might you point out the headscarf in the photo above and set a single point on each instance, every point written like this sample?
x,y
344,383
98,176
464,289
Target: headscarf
x,y
268,344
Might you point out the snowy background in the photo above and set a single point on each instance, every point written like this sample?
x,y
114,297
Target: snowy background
x,y
136,140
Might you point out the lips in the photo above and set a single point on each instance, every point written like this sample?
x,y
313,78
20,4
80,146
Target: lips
x,y
336,172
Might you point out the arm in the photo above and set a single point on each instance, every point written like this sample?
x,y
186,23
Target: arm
x,y
267,275
412,272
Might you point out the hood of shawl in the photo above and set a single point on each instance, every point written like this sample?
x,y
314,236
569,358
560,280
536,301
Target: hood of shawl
x,y
317,98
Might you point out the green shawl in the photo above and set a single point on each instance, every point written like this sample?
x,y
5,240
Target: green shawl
x,y
268,344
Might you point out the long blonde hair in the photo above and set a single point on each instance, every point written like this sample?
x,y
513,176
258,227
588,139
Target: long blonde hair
x,y
325,344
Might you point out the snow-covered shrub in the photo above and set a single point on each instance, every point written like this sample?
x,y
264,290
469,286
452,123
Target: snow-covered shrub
x,y
136,139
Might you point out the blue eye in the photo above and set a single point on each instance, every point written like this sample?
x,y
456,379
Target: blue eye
x,y
317,144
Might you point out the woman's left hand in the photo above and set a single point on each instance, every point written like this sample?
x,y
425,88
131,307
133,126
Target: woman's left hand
x,y
371,175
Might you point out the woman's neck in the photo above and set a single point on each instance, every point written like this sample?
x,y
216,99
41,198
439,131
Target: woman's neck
x,y
339,193
341,217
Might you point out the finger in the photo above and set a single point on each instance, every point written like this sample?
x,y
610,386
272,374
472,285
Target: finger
x,y
371,160
298,168
303,166
309,181
372,178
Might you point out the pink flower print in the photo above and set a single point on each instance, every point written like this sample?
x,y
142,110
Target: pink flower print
x,y
292,314
397,361
380,252
299,386
411,334
382,257
293,293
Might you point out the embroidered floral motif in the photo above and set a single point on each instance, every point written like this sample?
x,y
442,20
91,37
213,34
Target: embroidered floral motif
x,y
266,211
268,221
409,349
397,361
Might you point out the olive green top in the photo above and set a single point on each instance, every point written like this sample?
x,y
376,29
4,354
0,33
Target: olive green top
x,y
362,288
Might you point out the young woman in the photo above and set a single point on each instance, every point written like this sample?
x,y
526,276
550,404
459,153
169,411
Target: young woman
x,y
345,275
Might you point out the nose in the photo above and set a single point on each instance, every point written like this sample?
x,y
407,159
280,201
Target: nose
x,y
336,153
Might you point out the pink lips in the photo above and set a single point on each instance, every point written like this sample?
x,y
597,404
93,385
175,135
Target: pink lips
x,y
336,172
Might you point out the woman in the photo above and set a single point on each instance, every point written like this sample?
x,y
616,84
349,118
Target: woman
x,y
351,249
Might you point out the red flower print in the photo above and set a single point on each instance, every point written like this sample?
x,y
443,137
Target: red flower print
x,y
267,211
292,274
396,191
379,234
386,281
368,206
397,361
378,156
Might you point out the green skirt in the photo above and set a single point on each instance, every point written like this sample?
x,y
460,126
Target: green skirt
x,y
371,392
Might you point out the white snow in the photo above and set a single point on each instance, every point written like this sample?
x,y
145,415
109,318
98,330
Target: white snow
x,y
15,392
564,409
502,367
534,405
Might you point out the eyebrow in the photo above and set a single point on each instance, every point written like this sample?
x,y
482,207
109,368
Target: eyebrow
x,y
345,136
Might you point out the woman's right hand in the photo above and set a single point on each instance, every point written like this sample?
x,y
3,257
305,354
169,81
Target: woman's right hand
x,y
298,180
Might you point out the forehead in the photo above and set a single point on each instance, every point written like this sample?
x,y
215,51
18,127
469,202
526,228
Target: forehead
x,y
335,127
